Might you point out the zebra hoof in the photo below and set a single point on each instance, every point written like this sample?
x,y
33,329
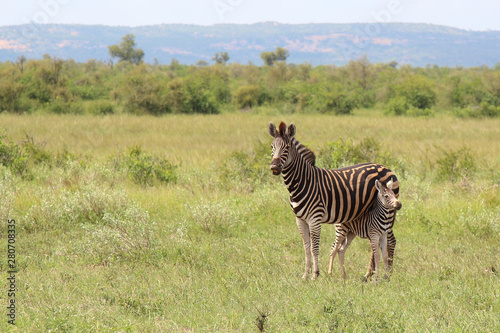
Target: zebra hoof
x,y
315,276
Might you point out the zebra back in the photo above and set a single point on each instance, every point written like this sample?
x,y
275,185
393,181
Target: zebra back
x,y
346,192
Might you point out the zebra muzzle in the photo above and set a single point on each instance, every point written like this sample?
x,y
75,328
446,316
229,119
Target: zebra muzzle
x,y
276,169
398,205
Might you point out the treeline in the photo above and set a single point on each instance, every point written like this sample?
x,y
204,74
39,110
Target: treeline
x,y
65,86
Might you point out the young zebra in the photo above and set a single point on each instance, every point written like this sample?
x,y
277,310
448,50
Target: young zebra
x,y
376,225
320,195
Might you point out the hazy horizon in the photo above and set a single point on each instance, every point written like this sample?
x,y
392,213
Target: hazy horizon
x,y
478,16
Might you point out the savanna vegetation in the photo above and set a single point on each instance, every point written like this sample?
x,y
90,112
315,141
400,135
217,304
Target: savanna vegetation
x,y
52,85
131,223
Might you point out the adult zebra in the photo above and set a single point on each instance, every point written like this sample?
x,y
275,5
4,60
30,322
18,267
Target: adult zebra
x,y
320,195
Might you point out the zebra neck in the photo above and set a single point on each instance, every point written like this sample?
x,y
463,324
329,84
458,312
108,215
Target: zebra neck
x,y
296,172
383,213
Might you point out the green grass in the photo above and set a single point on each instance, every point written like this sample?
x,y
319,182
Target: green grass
x,y
218,249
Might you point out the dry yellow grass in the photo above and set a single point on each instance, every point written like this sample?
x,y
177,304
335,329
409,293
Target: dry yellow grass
x,y
199,140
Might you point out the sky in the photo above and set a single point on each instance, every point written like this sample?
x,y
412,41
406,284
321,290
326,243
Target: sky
x,y
464,14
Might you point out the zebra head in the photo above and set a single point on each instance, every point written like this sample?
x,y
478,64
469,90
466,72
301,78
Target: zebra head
x,y
281,145
386,195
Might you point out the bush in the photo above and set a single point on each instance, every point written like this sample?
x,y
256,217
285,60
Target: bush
x,y
101,107
143,93
146,170
489,110
466,93
455,165
342,153
189,96
334,98
10,94
245,170
397,106
418,91
12,156
20,158
484,110
88,91
108,216
340,103
247,96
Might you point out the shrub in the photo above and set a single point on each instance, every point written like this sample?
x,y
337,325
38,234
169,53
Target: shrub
x,y
108,216
455,165
342,153
143,93
12,156
10,94
146,170
200,101
35,151
190,96
334,98
489,110
397,106
244,170
20,158
247,96
466,93
102,107
87,91
485,109
418,91
340,103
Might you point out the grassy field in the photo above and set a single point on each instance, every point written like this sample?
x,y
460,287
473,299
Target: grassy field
x,y
216,247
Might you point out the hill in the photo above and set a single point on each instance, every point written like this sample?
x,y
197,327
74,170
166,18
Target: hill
x,y
415,44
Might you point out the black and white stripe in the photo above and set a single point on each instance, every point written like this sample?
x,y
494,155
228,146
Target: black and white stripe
x,y
320,195
376,225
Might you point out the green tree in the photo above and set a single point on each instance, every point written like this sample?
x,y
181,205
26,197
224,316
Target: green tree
x,y
281,54
247,96
269,58
221,58
126,51
418,91
201,63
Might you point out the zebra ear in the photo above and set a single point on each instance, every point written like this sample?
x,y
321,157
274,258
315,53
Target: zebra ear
x,y
378,185
282,129
291,130
272,130
389,184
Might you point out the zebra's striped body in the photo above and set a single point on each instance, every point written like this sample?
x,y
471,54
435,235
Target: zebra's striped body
x,y
376,225
320,195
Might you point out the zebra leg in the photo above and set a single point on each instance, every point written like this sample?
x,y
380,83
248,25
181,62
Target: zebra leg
x,y
371,266
315,229
306,239
374,243
343,249
340,234
385,257
391,245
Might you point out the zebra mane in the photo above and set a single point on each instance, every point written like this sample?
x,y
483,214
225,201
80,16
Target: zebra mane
x,y
306,153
